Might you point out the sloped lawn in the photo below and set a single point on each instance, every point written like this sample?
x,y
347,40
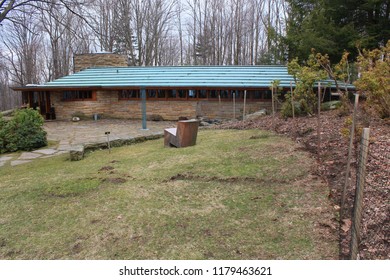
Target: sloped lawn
x,y
235,195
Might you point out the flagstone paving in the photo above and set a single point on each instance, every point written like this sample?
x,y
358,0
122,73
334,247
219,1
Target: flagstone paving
x,y
69,134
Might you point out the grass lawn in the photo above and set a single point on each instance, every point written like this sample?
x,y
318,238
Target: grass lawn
x,y
235,195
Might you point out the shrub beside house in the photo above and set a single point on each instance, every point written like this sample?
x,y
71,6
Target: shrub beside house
x,y
23,132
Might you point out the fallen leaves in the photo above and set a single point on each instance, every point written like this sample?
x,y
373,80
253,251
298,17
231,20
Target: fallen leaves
x,y
375,223
346,224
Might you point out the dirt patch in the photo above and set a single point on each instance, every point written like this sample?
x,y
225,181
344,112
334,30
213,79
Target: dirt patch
x,y
115,181
193,177
106,168
77,247
331,167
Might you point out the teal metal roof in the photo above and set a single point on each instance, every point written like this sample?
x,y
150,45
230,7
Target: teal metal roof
x,y
175,76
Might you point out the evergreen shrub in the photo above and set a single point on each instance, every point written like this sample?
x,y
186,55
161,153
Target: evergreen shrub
x,y
23,132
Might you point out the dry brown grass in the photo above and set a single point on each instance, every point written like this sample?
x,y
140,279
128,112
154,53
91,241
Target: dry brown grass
x,y
235,195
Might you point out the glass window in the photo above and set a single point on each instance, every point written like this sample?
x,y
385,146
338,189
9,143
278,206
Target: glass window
x,y
225,94
128,94
182,93
213,94
75,95
256,94
161,93
151,93
192,93
202,93
172,93
267,94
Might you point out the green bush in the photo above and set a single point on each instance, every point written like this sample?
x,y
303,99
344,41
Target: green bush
x,y
23,132
299,106
331,105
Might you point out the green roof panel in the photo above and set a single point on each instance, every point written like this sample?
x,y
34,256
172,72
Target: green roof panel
x,y
176,76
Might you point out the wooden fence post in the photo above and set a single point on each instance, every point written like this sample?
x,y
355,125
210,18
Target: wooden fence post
x,y
273,104
357,209
143,106
234,104
319,122
292,101
243,114
352,135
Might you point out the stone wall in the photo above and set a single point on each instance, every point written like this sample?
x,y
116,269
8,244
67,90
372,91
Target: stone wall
x,y
83,61
226,109
108,105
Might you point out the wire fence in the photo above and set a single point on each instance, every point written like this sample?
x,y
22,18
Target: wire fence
x,y
358,202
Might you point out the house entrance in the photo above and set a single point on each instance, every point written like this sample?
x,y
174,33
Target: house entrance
x,y
39,100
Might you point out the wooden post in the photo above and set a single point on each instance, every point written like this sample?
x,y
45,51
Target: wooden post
x,y
108,141
234,104
143,105
360,180
273,104
219,103
243,114
319,122
351,137
292,101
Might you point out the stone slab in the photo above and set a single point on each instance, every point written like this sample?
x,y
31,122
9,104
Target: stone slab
x,y
28,155
65,147
5,158
18,162
46,151
2,163
57,153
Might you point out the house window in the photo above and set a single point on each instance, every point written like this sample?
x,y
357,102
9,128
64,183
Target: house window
x,y
161,93
214,94
261,94
202,94
172,93
151,93
128,94
267,94
78,95
225,94
177,93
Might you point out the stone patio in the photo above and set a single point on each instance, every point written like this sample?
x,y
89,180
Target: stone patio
x,y
69,134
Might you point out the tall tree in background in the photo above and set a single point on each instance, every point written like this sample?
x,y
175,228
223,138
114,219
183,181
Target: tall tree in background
x,y
10,10
57,23
332,26
24,45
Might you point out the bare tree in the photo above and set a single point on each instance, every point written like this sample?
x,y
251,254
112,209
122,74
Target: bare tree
x,y
178,13
152,21
10,10
57,24
23,49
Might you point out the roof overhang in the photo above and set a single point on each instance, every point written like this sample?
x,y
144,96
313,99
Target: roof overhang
x,y
174,77
53,88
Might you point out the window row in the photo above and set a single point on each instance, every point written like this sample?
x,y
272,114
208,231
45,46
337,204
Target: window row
x,y
188,94
168,94
75,95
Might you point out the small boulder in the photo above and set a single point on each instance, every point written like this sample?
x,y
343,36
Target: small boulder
x,y
256,115
77,153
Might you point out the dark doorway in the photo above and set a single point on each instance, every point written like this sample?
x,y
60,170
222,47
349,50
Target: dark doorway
x,y
40,101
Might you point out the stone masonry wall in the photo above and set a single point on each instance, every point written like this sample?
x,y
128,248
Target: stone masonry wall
x,y
108,105
225,109
83,61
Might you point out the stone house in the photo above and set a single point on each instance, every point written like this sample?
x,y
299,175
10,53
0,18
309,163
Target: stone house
x,y
104,85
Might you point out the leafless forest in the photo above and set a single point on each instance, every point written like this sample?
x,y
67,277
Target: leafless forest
x,y
39,38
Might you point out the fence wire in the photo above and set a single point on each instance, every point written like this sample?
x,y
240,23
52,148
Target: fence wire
x,y
358,201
